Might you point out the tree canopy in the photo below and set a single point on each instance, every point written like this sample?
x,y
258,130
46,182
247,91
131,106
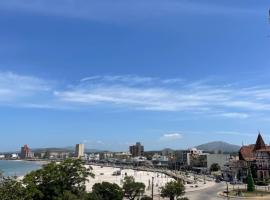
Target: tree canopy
x,y
214,167
55,179
107,191
132,189
173,189
11,189
250,182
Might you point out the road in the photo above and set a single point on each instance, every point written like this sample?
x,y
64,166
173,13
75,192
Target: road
x,y
208,193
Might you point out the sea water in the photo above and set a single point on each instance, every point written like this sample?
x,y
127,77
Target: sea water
x,y
18,167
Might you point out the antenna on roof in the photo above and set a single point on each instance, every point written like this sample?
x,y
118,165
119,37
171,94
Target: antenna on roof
x,y
242,143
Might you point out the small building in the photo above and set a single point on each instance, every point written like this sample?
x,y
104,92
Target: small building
x,y
93,157
122,155
160,160
105,155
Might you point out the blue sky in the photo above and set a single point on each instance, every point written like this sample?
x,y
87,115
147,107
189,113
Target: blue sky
x,y
110,73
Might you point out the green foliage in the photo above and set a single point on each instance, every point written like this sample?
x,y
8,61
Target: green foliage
x,y
107,191
253,169
11,189
250,182
131,188
214,167
94,196
54,181
67,195
173,190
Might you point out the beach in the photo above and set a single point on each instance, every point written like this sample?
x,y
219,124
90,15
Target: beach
x,y
103,174
106,174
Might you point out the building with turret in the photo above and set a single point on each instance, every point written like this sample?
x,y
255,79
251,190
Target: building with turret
x,y
257,157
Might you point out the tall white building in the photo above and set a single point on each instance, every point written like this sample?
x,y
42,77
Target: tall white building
x,y
79,151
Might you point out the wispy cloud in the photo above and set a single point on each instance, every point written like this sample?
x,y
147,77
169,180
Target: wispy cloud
x,y
127,79
234,115
14,86
149,93
171,136
137,92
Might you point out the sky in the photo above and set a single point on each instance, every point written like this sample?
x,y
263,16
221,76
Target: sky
x,y
174,73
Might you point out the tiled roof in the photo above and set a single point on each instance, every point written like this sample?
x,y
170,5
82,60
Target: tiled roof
x,y
259,143
247,152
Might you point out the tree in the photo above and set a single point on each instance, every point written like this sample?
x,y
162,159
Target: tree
x,y
173,189
11,189
250,182
214,167
67,195
94,196
131,188
107,191
55,180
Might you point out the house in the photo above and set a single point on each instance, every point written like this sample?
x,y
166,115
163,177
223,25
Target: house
x,y
257,157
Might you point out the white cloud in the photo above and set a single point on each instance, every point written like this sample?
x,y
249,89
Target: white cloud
x,y
14,86
136,92
234,115
172,136
154,94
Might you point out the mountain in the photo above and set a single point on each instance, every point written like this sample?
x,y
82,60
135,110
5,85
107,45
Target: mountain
x,y
219,145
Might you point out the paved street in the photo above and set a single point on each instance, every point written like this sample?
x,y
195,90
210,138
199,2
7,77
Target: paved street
x,y
207,194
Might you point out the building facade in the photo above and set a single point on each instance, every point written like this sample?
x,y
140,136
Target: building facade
x,y
136,150
257,157
79,150
26,152
220,159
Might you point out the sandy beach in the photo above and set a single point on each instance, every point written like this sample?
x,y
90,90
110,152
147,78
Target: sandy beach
x,y
106,174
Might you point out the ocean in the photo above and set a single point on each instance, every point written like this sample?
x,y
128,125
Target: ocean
x,y
18,167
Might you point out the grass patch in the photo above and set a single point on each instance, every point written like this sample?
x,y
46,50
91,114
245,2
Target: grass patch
x,y
244,193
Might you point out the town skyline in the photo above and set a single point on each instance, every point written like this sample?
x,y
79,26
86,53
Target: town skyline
x,y
191,73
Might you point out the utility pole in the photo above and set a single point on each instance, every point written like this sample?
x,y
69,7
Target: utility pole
x,y
152,188
227,190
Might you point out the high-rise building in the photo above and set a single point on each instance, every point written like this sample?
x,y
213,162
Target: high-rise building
x,y
79,151
26,152
136,150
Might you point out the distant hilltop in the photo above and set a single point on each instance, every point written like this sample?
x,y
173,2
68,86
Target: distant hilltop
x,y
219,146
